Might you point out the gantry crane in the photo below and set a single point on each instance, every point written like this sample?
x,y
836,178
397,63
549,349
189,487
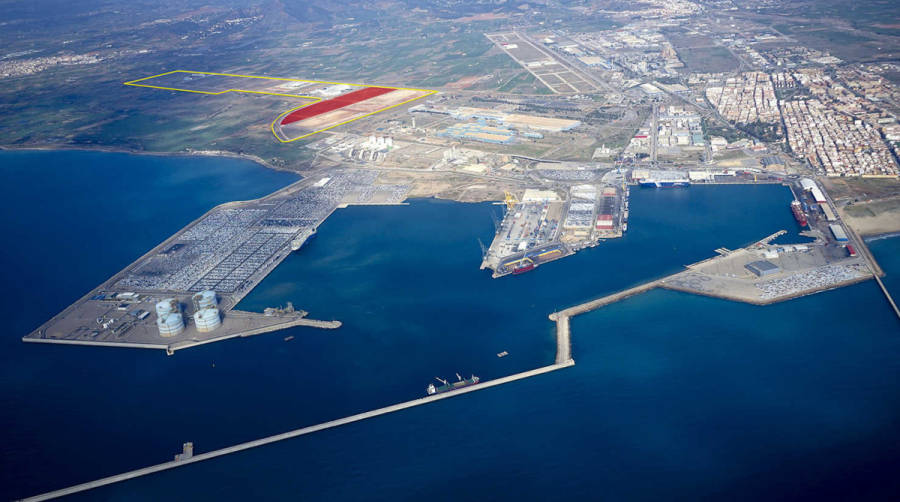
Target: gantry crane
x,y
511,201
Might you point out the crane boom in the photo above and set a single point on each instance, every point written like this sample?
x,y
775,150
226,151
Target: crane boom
x,y
511,201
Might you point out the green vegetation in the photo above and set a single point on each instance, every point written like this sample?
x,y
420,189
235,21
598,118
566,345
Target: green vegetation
x,y
523,78
791,93
469,67
763,131
711,128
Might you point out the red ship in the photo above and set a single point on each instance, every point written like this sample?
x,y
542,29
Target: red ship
x,y
799,215
524,266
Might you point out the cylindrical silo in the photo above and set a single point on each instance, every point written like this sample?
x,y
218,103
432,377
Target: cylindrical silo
x,y
207,319
170,324
205,299
166,306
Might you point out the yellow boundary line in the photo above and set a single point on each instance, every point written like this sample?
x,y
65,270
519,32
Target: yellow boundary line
x,y
429,93
134,83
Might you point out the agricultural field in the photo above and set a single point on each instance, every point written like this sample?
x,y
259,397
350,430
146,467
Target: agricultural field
x,y
323,105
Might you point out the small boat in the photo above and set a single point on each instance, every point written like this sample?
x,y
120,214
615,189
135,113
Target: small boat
x,y
289,338
503,354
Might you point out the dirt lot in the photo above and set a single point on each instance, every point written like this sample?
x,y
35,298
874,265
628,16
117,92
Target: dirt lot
x,y
876,217
862,189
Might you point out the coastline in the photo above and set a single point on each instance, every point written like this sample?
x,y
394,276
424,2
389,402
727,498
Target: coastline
x,y
881,222
878,237
112,149
435,194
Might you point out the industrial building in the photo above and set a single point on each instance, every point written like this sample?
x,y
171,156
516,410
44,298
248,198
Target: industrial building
x,y
533,195
168,318
762,268
829,213
838,232
512,120
811,186
580,215
480,132
206,315
516,120
205,299
207,319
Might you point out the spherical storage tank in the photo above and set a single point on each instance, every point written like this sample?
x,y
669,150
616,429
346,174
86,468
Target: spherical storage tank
x,y
205,299
207,319
166,306
170,324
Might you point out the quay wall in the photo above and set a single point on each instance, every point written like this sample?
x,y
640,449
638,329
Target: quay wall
x,y
294,433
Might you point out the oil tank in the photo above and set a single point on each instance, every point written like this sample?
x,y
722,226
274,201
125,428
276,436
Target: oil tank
x,y
167,306
205,299
170,324
207,319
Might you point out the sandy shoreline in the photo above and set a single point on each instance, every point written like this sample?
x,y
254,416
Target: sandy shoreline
x,y
881,223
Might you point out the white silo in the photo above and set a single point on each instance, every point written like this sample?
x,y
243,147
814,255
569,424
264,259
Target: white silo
x,y
207,319
170,324
166,306
205,299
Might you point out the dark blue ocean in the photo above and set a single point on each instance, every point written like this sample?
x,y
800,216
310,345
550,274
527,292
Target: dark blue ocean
x,y
672,396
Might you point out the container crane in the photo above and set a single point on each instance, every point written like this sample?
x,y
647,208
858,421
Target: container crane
x,y
511,201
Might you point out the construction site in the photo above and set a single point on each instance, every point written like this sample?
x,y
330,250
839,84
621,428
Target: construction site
x,y
322,105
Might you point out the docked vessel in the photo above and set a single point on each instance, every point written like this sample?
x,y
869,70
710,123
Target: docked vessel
x,y
302,239
523,266
447,386
799,215
664,183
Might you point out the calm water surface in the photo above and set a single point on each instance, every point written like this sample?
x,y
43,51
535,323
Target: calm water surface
x,y
672,396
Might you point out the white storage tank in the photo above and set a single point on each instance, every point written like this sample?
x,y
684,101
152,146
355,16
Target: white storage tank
x,y
170,324
205,299
166,306
207,319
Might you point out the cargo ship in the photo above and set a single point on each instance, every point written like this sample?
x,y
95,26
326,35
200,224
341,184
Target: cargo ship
x,y
447,386
799,215
302,239
523,265
664,184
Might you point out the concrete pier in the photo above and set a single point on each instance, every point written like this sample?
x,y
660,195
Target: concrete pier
x,y
887,294
866,253
216,336
563,341
294,433
606,300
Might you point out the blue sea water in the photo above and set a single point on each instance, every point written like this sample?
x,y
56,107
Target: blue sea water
x,y
673,396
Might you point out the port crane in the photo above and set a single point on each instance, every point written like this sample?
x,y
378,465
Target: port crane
x,y
484,250
496,222
511,201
